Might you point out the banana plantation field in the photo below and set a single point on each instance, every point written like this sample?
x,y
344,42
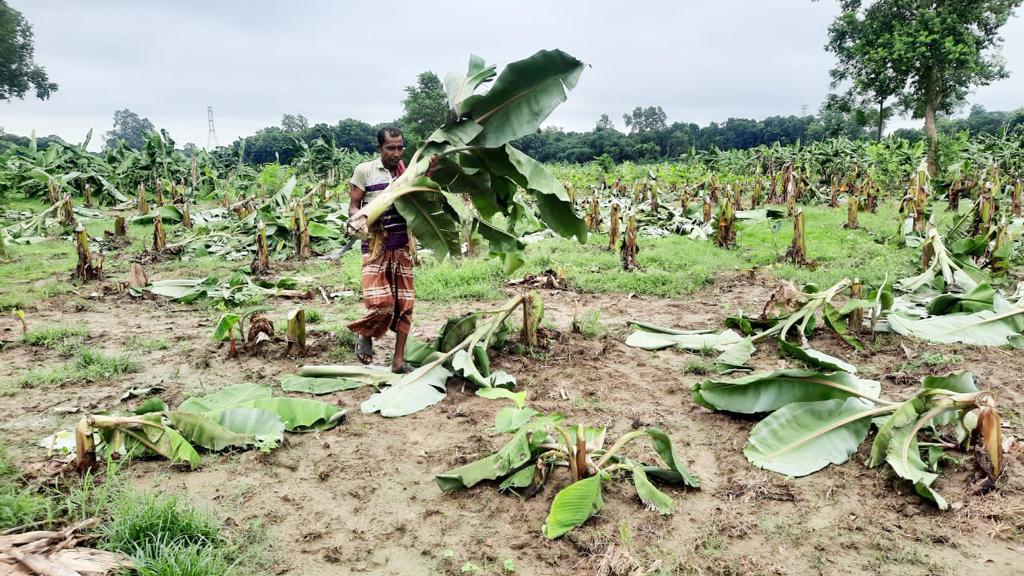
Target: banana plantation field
x,y
784,360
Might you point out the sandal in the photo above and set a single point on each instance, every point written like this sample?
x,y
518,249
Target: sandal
x,y
364,349
403,369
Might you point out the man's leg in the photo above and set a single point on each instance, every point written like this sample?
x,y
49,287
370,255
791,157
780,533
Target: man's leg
x,y
379,301
399,360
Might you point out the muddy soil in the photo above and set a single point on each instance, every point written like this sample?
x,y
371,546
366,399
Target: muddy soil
x,y
361,499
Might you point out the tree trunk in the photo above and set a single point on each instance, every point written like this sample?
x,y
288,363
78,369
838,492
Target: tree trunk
x,y
881,119
931,103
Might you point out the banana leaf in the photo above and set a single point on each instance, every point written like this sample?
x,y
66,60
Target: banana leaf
x,y
980,298
1001,326
511,456
572,506
415,391
804,437
816,359
768,392
519,398
653,498
231,396
735,358
207,433
904,457
646,340
300,414
317,386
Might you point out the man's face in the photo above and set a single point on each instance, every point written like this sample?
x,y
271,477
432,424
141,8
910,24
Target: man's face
x,y
391,151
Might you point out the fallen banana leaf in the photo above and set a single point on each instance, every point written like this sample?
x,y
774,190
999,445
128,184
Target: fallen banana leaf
x,y
573,506
311,385
511,456
646,340
231,396
736,357
519,398
804,437
415,391
1001,326
768,392
299,414
816,359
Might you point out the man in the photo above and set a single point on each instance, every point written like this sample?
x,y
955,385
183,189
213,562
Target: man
x,y
387,255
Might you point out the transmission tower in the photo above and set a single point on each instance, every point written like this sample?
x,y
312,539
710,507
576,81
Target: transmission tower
x,y
211,136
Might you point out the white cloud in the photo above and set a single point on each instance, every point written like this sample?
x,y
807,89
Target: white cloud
x,y
254,60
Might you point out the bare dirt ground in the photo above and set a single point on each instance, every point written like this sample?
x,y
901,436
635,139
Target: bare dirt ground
x,y
361,498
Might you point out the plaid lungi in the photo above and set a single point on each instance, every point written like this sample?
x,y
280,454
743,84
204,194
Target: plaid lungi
x,y
387,294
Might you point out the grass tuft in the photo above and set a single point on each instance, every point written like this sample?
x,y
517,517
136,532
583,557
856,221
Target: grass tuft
x,y
60,338
589,324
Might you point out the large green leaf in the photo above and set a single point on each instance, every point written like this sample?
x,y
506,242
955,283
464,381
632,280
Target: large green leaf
x,y
431,219
362,374
502,244
736,357
413,392
310,385
904,457
459,87
654,499
264,426
522,97
676,472
981,298
804,437
553,203
518,398
696,342
905,414
203,431
573,505
300,414
464,366
228,397
162,440
767,392
815,358
996,327
511,456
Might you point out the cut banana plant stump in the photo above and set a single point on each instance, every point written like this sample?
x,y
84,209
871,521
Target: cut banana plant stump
x,y
296,333
629,246
533,311
797,253
856,319
120,227
707,209
300,228
159,193
851,213
186,218
142,204
159,235
725,233
87,268
1016,200
614,222
261,262
67,212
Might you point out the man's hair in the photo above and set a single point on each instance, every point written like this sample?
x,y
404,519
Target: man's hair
x,y
387,132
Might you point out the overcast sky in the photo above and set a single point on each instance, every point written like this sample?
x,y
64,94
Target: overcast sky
x,y
254,60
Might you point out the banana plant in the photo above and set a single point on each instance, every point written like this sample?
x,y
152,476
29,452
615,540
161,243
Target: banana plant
x,y
541,443
475,158
237,416
819,419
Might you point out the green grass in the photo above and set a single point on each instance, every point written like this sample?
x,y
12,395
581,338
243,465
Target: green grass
x,y
19,505
589,324
165,535
59,338
698,367
143,345
87,365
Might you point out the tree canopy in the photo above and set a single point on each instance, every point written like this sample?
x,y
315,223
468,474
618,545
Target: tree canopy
x,y
129,127
19,72
425,105
926,55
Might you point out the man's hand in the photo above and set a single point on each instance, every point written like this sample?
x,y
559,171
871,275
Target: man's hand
x,y
434,161
356,225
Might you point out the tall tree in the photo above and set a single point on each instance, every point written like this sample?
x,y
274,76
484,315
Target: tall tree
x,y
19,72
131,128
935,51
294,123
425,105
645,119
604,123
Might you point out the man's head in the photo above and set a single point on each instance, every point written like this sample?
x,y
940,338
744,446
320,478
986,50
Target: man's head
x,y
391,146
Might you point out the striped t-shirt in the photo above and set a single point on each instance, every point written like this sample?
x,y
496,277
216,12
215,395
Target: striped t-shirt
x,y
372,177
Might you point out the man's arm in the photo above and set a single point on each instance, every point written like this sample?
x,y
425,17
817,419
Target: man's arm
x,y
355,202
